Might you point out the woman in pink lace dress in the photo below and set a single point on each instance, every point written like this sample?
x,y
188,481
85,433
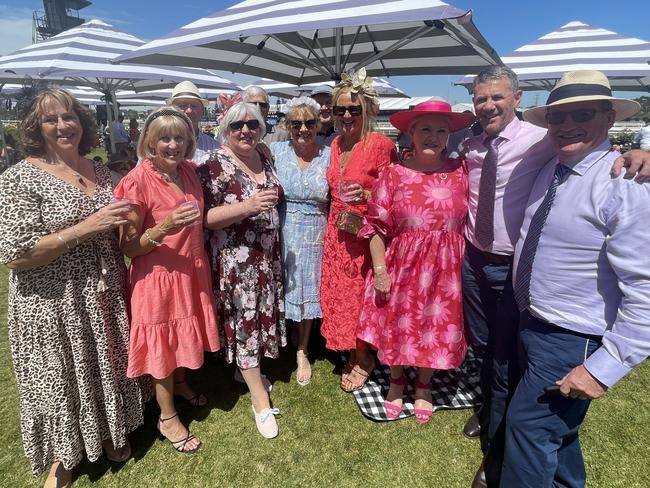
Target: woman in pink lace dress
x,y
412,306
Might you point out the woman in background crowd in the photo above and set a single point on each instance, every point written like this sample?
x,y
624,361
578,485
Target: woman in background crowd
x,y
301,165
241,193
173,320
358,156
67,318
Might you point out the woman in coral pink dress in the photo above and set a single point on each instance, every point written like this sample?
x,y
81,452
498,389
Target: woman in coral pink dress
x,y
358,157
173,319
412,306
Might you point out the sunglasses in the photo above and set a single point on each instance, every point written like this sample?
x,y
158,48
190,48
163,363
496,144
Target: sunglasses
x,y
579,116
297,124
260,104
353,109
252,124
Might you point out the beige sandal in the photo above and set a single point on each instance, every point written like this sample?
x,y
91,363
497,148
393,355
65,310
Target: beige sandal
x,y
59,477
303,372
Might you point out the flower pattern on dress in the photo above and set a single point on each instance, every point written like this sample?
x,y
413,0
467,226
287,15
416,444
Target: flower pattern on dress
x,y
246,265
423,227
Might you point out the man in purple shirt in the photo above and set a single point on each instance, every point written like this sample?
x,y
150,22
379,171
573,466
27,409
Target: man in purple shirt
x,y
581,283
503,164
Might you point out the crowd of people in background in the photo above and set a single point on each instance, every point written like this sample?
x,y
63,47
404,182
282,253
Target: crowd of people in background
x,y
514,241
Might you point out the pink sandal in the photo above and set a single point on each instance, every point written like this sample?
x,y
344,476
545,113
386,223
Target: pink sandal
x,y
393,411
422,415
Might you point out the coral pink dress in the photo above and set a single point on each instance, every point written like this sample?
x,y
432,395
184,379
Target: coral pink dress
x,y
346,258
173,318
422,217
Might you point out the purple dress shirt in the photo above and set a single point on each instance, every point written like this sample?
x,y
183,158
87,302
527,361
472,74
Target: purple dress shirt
x,y
591,272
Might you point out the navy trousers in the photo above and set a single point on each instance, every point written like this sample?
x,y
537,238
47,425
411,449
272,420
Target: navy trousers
x,y
491,324
542,443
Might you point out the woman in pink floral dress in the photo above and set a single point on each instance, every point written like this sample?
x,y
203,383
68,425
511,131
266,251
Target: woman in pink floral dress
x,y
412,306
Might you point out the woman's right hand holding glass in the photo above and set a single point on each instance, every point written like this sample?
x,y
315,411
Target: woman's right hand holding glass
x,y
262,201
185,214
109,217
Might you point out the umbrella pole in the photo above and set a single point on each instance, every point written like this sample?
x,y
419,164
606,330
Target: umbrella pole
x,y
116,113
109,120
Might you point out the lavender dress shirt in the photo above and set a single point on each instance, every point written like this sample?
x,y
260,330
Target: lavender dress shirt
x,y
523,151
591,272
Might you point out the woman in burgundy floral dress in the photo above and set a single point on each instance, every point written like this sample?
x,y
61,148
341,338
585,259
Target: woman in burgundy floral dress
x,y
241,193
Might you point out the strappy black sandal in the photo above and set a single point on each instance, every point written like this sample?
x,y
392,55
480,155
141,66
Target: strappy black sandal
x,y
197,401
180,444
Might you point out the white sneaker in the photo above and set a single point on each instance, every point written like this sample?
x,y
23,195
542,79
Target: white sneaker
x,y
266,423
265,381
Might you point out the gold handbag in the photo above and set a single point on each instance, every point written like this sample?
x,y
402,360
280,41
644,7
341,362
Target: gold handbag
x,y
350,222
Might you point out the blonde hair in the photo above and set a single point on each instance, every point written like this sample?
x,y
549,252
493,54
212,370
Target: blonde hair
x,y
166,121
369,108
300,110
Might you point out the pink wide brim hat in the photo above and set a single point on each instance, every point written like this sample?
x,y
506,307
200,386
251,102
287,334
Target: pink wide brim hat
x,y
457,121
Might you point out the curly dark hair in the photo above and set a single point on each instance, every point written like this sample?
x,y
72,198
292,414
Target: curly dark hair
x,y
30,136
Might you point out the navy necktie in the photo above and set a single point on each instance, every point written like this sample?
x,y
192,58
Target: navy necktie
x,y
484,228
527,255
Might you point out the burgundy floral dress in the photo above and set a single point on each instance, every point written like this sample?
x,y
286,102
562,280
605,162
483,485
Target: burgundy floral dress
x,y
246,265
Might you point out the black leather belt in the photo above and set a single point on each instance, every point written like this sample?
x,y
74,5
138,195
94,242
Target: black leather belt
x,y
490,257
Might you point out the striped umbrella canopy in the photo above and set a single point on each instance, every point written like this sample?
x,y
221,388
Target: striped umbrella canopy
x,y
286,90
165,93
575,46
85,54
90,96
312,41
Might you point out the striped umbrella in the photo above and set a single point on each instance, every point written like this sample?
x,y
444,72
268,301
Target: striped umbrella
x,y
85,53
312,41
577,45
279,89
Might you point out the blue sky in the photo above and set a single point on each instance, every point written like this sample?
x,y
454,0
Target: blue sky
x,y
506,24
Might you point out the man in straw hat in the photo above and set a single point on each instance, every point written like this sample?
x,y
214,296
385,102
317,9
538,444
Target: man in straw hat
x,y
187,98
503,164
581,284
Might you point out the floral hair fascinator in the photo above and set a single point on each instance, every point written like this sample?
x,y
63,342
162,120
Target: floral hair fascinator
x,y
310,102
360,83
225,101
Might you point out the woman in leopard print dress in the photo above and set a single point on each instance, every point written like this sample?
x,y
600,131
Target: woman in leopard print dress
x,y
67,317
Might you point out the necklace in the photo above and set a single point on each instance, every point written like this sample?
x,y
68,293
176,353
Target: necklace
x,y
78,176
247,170
167,177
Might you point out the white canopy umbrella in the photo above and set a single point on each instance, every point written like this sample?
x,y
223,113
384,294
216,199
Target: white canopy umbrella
x,y
576,46
84,54
279,89
312,41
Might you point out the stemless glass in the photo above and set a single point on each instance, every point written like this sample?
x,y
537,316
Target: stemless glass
x,y
345,185
193,204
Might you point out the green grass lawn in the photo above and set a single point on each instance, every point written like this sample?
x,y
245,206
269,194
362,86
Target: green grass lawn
x,y
324,440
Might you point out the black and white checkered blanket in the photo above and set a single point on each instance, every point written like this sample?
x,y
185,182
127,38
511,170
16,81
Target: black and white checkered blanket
x,y
451,389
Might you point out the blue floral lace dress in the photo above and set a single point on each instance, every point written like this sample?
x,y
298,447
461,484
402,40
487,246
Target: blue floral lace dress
x,y
303,219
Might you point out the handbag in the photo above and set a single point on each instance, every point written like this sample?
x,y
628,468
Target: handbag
x,y
350,222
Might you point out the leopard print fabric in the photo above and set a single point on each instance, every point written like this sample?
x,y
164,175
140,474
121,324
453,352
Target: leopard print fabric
x,y
68,324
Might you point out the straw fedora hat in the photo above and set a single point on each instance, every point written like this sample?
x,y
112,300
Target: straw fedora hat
x,y
402,120
581,86
187,89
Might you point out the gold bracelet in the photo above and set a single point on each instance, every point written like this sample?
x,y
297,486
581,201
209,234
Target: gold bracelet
x,y
379,267
59,237
151,239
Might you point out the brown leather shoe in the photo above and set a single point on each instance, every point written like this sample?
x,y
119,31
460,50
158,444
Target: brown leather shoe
x,y
479,478
472,429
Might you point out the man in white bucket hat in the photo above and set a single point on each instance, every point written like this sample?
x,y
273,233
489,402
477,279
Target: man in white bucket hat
x,y
187,97
581,282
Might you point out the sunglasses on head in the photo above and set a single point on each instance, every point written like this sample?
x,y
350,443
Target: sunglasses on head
x,y
579,116
260,104
252,124
353,109
297,124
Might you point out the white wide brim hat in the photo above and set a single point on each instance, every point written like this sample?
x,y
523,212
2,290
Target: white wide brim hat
x,y
582,86
187,89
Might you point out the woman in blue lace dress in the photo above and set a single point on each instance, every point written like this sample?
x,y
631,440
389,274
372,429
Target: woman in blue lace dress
x,y
301,165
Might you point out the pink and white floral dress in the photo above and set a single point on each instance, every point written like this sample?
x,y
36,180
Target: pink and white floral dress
x,y
422,217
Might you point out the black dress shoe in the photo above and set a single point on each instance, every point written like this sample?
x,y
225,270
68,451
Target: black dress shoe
x,y
479,478
472,429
